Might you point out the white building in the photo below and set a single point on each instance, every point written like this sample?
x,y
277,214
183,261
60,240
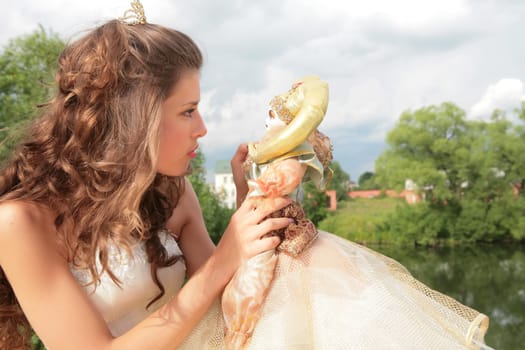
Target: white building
x,y
224,185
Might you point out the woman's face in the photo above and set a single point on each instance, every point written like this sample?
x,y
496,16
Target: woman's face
x,y
181,126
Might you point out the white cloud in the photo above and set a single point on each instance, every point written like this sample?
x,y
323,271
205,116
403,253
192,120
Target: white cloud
x,y
505,95
404,13
380,57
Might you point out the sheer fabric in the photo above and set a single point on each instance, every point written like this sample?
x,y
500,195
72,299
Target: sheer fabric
x,y
341,295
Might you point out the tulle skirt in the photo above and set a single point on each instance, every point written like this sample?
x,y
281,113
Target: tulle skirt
x,y
341,295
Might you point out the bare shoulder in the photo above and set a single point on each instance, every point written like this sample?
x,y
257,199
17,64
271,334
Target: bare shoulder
x,y
22,212
187,209
189,198
14,214
187,223
24,222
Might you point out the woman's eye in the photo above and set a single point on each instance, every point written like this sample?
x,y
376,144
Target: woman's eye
x,y
189,113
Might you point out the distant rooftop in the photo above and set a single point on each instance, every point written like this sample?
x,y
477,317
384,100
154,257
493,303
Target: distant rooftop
x,y
222,167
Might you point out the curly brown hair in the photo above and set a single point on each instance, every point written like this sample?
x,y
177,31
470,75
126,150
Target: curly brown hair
x,y
91,156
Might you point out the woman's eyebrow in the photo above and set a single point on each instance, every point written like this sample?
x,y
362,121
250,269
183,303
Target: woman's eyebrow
x,y
191,103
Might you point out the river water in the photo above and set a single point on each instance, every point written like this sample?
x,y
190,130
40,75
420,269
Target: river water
x,y
488,278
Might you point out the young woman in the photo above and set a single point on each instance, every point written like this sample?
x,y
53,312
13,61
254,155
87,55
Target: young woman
x,y
99,225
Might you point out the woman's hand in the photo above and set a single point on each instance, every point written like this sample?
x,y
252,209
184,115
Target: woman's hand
x,y
238,172
245,235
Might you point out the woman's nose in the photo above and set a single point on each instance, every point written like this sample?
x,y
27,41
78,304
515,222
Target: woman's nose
x,y
200,128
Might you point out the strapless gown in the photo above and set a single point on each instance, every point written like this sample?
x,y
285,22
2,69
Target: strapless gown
x,y
124,306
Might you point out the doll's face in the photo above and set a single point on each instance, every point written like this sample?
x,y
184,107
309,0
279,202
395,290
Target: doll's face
x,y
273,120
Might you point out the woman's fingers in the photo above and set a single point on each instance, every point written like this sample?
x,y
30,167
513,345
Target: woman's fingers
x,y
264,244
240,156
238,172
248,205
265,226
269,225
277,204
246,233
262,208
260,242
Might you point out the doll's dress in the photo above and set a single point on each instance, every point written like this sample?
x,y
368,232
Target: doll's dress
x,y
122,307
340,295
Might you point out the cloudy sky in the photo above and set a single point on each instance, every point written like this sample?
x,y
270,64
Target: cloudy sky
x,y
380,57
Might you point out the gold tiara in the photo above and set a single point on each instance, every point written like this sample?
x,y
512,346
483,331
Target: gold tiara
x,y
135,15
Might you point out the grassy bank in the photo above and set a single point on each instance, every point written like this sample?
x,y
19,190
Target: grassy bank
x,y
358,219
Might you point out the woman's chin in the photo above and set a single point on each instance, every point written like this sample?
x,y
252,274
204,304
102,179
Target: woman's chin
x,y
179,171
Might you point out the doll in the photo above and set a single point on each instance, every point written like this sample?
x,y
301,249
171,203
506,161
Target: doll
x,y
291,151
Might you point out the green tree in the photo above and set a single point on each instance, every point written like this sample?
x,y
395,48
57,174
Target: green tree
x,y
36,343
465,170
216,215
366,181
314,203
429,146
27,67
340,181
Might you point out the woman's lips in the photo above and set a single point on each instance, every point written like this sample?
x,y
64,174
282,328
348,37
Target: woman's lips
x,y
193,153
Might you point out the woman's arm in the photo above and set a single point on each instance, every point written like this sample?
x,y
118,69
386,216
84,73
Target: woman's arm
x,y
63,315
188,224
53,301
